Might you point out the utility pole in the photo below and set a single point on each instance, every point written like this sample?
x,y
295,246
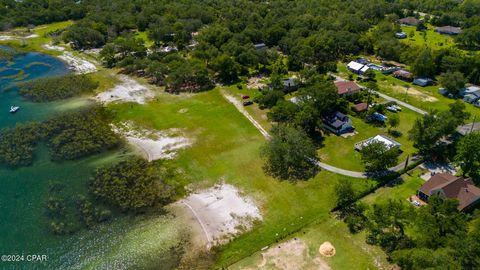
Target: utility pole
x,y
473,123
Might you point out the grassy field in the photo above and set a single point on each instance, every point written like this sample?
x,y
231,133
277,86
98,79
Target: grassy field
x,y
340,152
226,149
35,44
351,250
427,39
401,190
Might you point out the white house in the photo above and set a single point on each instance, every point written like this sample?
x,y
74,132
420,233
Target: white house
x,y
357,68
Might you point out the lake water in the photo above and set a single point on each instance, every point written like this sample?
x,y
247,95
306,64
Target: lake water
x,y
126,242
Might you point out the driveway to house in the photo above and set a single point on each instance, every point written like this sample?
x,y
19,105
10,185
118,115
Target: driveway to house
x,y
389,98
267,136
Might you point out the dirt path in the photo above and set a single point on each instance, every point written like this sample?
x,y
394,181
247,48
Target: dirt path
x,y
238,104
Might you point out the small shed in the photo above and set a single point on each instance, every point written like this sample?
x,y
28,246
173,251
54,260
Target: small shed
x,y
401,35
422,81
403,75
360,107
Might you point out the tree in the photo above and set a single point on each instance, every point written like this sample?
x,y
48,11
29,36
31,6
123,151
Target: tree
x,y
376,156
452,81
424,64
468,154
370,74
393,121
344,193
458,111
228,70
290,154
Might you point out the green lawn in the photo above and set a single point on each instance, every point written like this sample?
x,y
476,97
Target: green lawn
x,y
425,98
226,149
351,249
144,36
340,152
401,190
35,44
427,39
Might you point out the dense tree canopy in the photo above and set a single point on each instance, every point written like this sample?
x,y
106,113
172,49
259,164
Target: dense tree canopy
x,y
289,154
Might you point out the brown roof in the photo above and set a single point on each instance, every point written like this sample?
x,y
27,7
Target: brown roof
x,y
360,107
449,29
344,87
452,187
409,21
402,73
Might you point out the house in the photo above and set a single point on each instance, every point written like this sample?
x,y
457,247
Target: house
x,y
337,123
409,21
448,30
470,98
403,75
473,90
360,107
260,46
468,128
389,143
401,35
447,186
422,81
357,68
347,87
443,91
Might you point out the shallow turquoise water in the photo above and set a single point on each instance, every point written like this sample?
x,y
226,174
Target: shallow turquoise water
x,y
126,242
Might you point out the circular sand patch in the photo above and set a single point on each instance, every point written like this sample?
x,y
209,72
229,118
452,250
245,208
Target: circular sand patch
x,y
327,249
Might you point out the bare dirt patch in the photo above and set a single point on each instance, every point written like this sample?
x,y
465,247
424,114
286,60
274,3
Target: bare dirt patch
x,y
222,212
154,144
414,92
291,255
255,82
128,90
327,249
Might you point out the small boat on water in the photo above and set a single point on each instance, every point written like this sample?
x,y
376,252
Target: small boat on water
x,y
14,109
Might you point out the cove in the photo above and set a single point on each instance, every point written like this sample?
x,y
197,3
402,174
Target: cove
x,y
125,242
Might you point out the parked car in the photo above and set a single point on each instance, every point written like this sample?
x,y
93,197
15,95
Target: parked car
x,y
246,103
378,117
392,109
245,97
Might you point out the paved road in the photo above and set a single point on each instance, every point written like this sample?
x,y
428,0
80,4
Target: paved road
x,y
389,98
406,105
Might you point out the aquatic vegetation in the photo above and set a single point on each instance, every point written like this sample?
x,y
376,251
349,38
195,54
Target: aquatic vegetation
x,y
57,88
31,64
17,144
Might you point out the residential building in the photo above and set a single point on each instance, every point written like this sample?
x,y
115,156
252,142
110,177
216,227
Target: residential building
x,y
448,30
409,21
422,81
447,186
338,123
357,68
260,46
470,98
403,75
389,143
360,107
472,90
468,128
347,87
401,35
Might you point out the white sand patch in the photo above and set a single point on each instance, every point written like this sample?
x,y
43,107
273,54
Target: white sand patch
x,y
78,64
31,36
7,37
255,82
222,212
10,37
129,90
53,47
154,144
